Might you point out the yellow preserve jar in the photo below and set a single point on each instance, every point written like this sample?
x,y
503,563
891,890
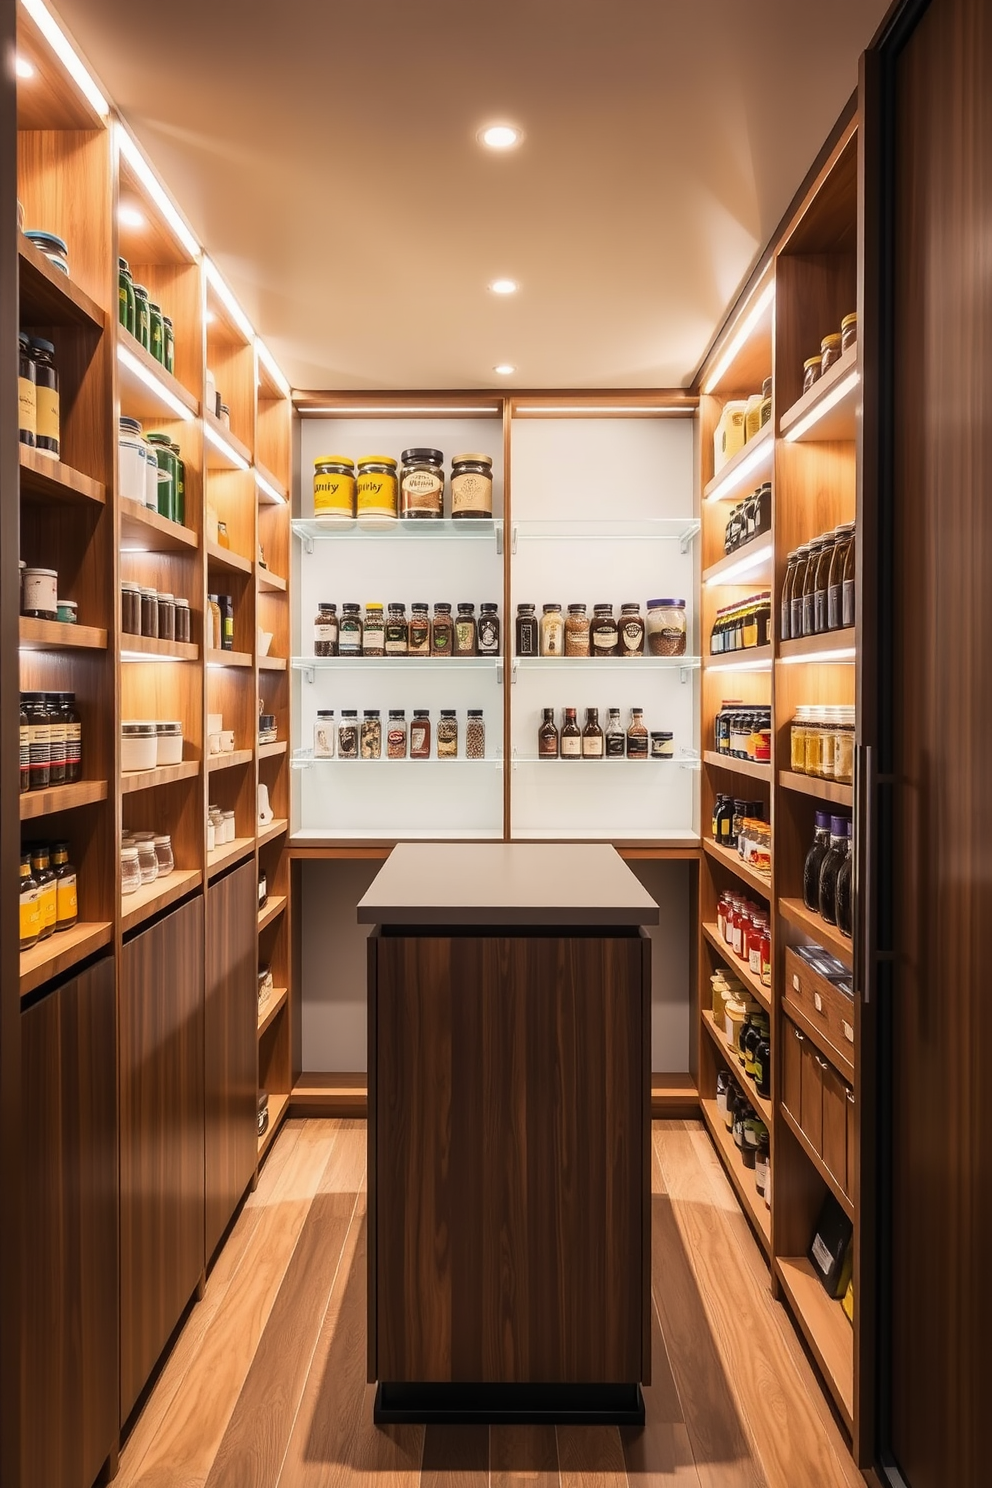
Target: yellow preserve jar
x,y
377,491
334,487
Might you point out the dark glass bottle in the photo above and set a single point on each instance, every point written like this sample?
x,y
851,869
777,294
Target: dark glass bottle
x,y
725,822
814,858
547,736
571,736
833,860
592,736
616,738
763,1067
844,895
41,872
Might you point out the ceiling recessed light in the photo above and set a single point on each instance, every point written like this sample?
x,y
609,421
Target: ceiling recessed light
x,y
504,286
500,136
130,217
23,68
505,369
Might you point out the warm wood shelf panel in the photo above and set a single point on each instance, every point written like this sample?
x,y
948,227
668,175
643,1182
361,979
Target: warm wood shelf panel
x,y
144,531
818,1163
60,952
53,480
738,766
138,780
761,993
822,790
270,1010
151,898
227,761
749,564
49,297
227,658
61,798
270,583
269,751
263,473
826,1328
748,467
272,663
826,412
741,1178
276,827
153,392
820,648
760,1102
674,1096
230,852
51,635
273,909
277,1110
334,1093
226,558
236,456
816,927
728,856
753,659
133,646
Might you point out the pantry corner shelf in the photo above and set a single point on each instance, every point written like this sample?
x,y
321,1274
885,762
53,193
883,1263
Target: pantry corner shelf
x,y
61,951
744,468
147,390
150,898
831,646
227,761
229,852
145,531
277,1109
731,860
825,1327
51,635
150,648
276,827
816,927
750,768
138,780
741,1178
274,906
740,968
820,790
829,411
762,1102
271,1009
49,297
322,529
751,659
269,583
61,798
52,480
225,558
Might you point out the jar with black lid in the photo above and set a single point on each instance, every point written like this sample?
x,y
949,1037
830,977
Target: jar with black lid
x,y
56,739
125,295
396,734
370,739
27,393
442,631
397,631
184,630
604,636
39,740
630,631
488,638
325,630
350,630
577,631
422,484
66,702
447,734
142,324
149,613
166,616
25,748
419,630
465,631
528,630
130,608
471,486
48,431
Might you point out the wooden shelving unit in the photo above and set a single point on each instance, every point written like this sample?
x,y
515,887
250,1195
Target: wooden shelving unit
x,y
760,992
152,898
760,1102
729,858
60,953
816,927
750,768
821,790
229,760
231,852
46,480
35,804
140,780
825,1328
271,1008
51,635
140,646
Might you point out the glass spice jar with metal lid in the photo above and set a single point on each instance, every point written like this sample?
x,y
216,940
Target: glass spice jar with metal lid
x,y
48,427
577,631
348,734
350,631
604,634
666,627
376,491
442,631
370,739
323,734
125,295
334,488
465,638
374,631
419,630
397,631
848,331
630,631
55,249
422,484
325,629
471,486
27,393
142,323
811,372
475,735
527,630
396,734
447,734
552,630
830,351
488,637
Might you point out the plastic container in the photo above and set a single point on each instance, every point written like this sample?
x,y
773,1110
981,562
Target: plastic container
x,y
164,854
139,745
169,743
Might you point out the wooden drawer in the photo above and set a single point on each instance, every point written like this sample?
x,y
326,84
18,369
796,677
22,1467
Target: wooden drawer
x,y
828,1010
792,1069
811,1119
834,1144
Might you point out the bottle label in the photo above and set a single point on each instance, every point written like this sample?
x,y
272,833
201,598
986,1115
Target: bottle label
x,y
30,914
754,960
820,611
325,633
396,743
614,746
809,615
420,637
571,746
48,904
527,637
27,405
472,493
847,603
488,635
377,494
48,414
592,747
547,746
66,905
335,494
422,492
637,746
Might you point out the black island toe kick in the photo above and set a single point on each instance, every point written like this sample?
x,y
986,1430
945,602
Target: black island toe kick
x,y
508,1404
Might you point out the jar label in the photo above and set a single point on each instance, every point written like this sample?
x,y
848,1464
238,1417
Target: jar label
x,y
571,746
40,743
323,741
637,746
592,748
465,636
847,603
422,491
420,636
419,740
30,914
377,493
66,905
488,635
48,414
396,644
334,493
396,743
27,405
472,493
39,592
632,637
604,639
325,632
442,639
25,751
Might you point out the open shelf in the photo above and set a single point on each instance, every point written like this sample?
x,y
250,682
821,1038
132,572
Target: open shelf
x,y
277,1109
750,564
682,530
148,391
231,852
269,751
228,658
729,857
270,1010
829,411
626,664
402,663
229,760
738,766
830,646
274,907
141,648
151,898
325,529
816,927
137,780
740,1177
746,469
275,829
52,480
144,531
222,449
826,1328
820,790
62,951
270,583
52,635
61,798
760,1102
818,1163
225,558
266,484
272,663
753,659
333,1092
761,993
49,297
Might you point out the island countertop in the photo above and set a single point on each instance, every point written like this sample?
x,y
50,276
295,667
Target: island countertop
x,y
527,884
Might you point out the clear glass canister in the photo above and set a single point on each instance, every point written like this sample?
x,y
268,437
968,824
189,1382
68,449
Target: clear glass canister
x,y
147,857
376,491
577,631
844,746
666,627
334,487
370,740
422,484
447,734
374,631
130,871
552,631
163,852
48,426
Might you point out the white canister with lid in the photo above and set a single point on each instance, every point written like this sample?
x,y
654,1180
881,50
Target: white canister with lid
x,y
131,460
39,592
169,737
139,745
151,477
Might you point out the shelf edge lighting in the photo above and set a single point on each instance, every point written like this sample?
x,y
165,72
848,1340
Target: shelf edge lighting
x,y
129,149
740,666
148,656
760,555
216,282
170,400
740,336
67,55
269,489
272,367
225,449
842,653
617,410
830,401
359,411
747,467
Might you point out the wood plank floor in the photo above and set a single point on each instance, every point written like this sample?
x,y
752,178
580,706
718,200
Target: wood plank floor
x,y
266,1385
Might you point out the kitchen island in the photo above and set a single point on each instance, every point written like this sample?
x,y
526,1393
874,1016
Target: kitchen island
x,y
509,1134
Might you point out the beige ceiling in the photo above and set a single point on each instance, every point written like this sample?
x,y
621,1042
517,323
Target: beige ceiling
x,y
326,155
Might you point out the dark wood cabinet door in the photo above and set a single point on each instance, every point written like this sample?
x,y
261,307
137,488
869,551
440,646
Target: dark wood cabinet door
x,y
230,1046
161,1114
69,1225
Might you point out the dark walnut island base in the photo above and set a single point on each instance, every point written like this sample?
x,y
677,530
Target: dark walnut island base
x,y
509,1134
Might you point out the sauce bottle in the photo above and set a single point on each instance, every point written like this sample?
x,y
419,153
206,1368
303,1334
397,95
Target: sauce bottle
x,y
637,736
843,894
547,736
66,907
420,734
821,584
615,737
30,906
809,588
814,859
571,736
833,859
796,593
41,872
592,736
844,537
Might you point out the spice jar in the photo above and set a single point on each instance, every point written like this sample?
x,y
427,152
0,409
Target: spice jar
x,y
39,593
848,331
166,617
125,295
844,746
334,487
156,332
631,630
447,734
475,735
325,630
666,627
348,734
142,326
577,631
471,486
323,734
130,871
27,393
420,734
552,630
604,634
422,484
48,419
830,351
811,372
67,612
397,631
169,334
376,492
488,637
528,630
147,858
396,734
442,631
419,631
163,852
35,706
374,631
465,632
370,741
350,631
183,623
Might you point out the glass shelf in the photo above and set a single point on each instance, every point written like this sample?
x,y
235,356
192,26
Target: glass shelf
x,y
632,664
305,759
322,529
637,529
414,664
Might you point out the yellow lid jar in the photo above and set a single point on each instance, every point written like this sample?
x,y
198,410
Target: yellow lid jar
x,y
334,487
377,491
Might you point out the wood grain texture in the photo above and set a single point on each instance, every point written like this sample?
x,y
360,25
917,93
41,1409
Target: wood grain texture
x,y
455,1457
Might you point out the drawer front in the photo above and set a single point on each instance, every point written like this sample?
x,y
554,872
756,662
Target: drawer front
x,y
811,1120
792,1066
834,1149
827,1008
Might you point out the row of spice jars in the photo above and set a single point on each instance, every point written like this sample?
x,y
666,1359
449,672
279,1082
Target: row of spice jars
x,y
742,731
40,597
155,613
152,470
745,927
832,348
51,740
48,892
822,742
749,1132
145,320
354,740
742,825
740,421
145,856
746,1027
601,634
750,519
388,631
594,742
818,593
742,626
379,493
220,827
39,423
148,743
